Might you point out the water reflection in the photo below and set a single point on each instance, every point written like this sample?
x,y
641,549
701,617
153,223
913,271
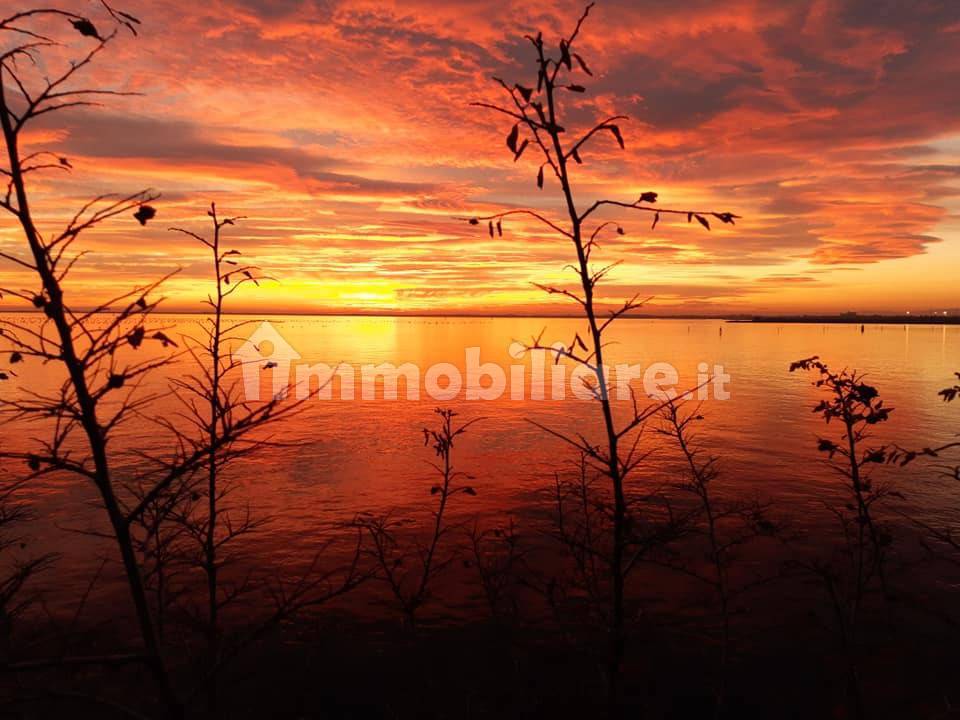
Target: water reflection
x,y
367,455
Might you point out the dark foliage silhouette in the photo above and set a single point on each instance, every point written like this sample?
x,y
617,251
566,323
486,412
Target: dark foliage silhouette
x,y
101,389
215,416
89,355
498,556
859,569
726,524
537,112
18,565
409,570
940,541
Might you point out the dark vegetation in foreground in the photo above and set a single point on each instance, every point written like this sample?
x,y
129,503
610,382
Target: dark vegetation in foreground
x,y
622,599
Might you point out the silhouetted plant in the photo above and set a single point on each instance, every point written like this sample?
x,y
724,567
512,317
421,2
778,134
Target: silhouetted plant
x,y
84,404
537,113
292,596
727,525
99,393
17,568
215,417
949,394
857,407
159,539
940,541
497,556
582,526
951,472
409,571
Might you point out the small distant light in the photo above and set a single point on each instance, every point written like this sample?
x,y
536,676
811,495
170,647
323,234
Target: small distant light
x,y
908,312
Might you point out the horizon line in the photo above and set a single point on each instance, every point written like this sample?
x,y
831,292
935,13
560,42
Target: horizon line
x,y
848,317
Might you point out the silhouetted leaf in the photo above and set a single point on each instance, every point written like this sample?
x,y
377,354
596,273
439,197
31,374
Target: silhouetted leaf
x,y
39,301
576,88
164,340
116,381
65,163
576,156
135,338
726,218
523,146
15,357
565,55
648,197
469,490
703,221
513,137
656,219
33,462
86,28
474,221
827,446
582,63
144,213
867,392
490,227
804,364
616,133
540,177
525,92
499,229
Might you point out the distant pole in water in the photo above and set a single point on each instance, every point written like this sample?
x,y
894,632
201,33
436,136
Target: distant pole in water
x,y
861,329
721,331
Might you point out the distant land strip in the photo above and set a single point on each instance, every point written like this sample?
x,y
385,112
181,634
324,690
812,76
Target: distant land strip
x,y
850,319
843,318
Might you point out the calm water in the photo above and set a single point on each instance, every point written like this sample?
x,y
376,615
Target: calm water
x,y
361,455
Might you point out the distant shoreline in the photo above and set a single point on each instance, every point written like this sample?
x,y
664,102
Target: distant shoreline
x,y
842,319
855,319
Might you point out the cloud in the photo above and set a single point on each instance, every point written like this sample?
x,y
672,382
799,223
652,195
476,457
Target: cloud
x,y
343,129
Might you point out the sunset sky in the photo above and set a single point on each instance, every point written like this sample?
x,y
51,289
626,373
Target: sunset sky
x,y
343,131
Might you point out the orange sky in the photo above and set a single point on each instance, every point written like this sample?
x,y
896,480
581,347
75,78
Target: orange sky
x,y
342,129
